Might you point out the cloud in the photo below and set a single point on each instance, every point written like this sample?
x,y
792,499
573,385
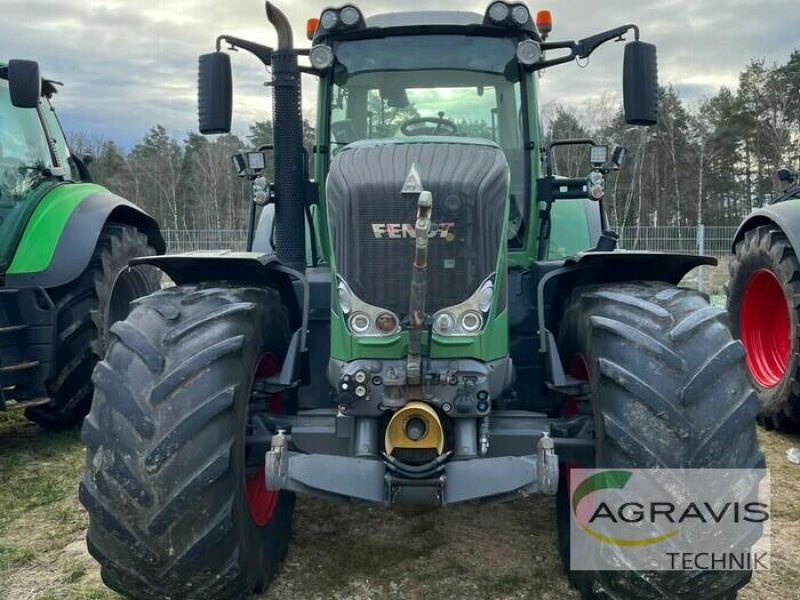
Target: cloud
x,y
128,64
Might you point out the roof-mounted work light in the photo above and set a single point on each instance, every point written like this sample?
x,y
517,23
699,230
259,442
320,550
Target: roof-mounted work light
x,y
599,155
346,18
504,14
249,164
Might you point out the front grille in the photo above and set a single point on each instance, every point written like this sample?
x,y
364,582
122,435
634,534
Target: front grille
x,y
372,223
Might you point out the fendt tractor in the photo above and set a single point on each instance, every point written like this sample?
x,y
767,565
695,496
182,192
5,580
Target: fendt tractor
x,y
64,244
436,317
764,299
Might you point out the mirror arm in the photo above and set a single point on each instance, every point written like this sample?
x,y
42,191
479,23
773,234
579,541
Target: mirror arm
x,y
263,53
583,48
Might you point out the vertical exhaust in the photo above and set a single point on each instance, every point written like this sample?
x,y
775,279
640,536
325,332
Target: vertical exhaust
x,y
287,119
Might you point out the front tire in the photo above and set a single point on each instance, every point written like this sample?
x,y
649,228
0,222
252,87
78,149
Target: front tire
x,y
668,390
762,290
175,508
86,308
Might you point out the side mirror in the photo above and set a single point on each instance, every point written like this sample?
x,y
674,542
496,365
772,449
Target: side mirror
x,y
87,158
640,84
786,175
24,83
215,93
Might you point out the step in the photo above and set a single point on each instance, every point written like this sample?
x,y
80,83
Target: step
x,y
8,291
23,366
12,329
29,403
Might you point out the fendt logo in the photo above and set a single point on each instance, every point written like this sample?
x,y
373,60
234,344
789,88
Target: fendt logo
x,y
396,231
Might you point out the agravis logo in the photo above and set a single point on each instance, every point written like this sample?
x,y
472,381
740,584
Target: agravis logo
x,y
605,480
669,519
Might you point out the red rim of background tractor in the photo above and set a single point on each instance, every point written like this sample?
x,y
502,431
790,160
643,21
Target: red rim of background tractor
x,y
263,502
766,328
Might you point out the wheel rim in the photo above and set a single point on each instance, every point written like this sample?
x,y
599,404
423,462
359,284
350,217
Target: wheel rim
x,y
578,369
263,502
766,328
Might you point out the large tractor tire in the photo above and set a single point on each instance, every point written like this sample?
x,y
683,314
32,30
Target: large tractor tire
x,y
86,307
763,296
669,389
177,502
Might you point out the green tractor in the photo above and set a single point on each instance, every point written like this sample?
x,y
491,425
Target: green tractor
x,y
64,247
435,317
764,299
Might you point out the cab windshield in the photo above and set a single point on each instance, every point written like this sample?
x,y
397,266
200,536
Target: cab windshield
x,y
451,85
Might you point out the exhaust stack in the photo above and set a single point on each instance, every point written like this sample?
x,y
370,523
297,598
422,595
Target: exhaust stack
x,y
290,220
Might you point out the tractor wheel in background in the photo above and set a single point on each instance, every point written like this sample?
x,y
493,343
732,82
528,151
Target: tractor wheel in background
x,y
763,289
656,358
177,503
84,305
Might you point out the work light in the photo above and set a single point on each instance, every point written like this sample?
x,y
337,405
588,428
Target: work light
x,y
321,57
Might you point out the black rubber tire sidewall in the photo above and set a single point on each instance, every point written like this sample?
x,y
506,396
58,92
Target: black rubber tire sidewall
x,y
780,404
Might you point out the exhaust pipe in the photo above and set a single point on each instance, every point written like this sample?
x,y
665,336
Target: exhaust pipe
x,y
290,162
282,26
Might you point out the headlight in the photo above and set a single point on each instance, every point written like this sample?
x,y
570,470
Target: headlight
x,y
444,323
498,12
329,19
349,16
471,322
520,14
467,318
345,298
321,57
485,296
359,323
363,319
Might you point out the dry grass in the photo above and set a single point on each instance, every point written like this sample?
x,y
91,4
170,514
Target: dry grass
x,y
339,551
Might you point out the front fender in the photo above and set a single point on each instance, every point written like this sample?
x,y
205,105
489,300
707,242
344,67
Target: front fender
x,y
587,268
61,235
785,215
249,268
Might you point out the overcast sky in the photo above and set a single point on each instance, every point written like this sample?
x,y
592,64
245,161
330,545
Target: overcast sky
x,y
128,64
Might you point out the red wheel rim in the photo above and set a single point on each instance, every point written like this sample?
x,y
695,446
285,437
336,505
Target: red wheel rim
x,y
578,369
263,502
766,328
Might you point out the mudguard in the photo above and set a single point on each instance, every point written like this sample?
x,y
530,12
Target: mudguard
x,y
586,268
785,215
251,268
63,230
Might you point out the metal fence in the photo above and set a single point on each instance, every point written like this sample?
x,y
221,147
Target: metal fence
x,y
713,240
698,239
187,240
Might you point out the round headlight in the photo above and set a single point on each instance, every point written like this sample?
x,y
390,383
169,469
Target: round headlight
x,y
329,19
359,323
349,16
386,322
471,321
444,323
345,298
529,52
520,14
485,296
498,12
321,57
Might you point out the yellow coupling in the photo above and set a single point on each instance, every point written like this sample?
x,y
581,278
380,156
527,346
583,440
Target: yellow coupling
x,y
416,426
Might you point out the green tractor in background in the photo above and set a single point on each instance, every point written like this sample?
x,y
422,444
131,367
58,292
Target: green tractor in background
x,y
435,317
64,247
764,299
